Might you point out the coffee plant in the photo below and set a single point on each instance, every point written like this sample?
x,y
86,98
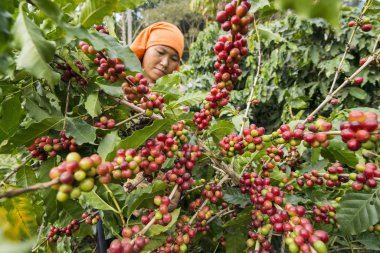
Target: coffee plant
x,y
95,158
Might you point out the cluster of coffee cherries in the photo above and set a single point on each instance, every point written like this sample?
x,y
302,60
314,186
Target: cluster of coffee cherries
x,y
75,175
203,215
45,146
110,69
69,73
135,88
333,178
324,213
55,232
364,24
285,135
131,242
235,17
161,215
318,137
303,236
232,145
357,131
180,241
229,50
368,176
253,138
213,192
181,172
91,218
152,103
236,144
105,123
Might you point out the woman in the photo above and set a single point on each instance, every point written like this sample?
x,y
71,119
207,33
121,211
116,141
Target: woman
x,y
159,48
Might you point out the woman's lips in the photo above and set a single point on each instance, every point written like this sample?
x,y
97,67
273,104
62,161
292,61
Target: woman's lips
x,y
160,71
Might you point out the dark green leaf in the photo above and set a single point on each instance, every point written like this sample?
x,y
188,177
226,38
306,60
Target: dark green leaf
x,y
81,131
339,150
10,114
234,196
36,51
359,210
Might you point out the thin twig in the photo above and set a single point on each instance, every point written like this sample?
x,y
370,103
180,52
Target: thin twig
x,y
67,105
339,69
249,101
129,119
35,187
15,170
134,107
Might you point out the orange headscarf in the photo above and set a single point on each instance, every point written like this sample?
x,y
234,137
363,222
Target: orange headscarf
x,y
160,33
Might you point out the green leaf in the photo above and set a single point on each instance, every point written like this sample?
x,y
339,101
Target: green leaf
x,y
41,105
107,145
220,129
158,229
235,239
315,154
36,51
138,196
339,151
189,99
92,105
257,5
50,9
234,196
298,103
326,9
112,90
93,11
95,201
357,92
81,131
370,240
268,34
359,210
10,114
26,177
27,135
124,5
139,137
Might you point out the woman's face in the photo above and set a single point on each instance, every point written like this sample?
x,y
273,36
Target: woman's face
x,y
159,61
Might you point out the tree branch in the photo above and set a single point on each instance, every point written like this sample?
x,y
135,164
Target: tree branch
x,y
35,187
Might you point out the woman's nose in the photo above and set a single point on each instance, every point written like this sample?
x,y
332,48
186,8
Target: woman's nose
x,y
165,61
